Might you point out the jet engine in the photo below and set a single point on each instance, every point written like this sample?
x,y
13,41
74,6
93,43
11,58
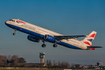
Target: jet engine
x,y
33,38
50,38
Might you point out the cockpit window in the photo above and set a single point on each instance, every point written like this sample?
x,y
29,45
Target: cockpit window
x,y
12,20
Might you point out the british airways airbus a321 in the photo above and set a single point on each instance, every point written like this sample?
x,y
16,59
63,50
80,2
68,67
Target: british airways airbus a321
x,y
37,34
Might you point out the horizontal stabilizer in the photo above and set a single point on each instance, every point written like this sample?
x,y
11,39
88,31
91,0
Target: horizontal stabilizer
x,y
94,46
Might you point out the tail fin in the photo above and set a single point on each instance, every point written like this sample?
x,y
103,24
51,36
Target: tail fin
x,y
89,39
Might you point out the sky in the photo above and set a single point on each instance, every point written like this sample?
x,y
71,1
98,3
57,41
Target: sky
x,y
67,17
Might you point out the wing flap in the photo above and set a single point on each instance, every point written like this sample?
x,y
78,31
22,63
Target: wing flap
x,y
68,37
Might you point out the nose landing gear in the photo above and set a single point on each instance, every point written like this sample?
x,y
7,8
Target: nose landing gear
x,y
14,32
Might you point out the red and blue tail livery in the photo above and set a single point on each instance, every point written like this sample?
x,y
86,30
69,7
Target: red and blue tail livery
x,y
37,34
89,39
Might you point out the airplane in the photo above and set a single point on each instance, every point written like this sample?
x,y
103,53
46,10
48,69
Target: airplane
x,y
37,34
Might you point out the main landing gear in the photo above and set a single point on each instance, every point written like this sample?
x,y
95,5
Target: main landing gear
x,y
14,32
44,45
55,44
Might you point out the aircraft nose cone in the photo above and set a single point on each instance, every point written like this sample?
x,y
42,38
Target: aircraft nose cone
x,y
5,23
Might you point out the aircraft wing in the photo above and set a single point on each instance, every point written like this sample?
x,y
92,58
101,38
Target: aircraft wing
x,y
68,37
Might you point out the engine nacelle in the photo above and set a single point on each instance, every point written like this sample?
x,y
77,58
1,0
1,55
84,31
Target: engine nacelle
x,y
33,38
49,38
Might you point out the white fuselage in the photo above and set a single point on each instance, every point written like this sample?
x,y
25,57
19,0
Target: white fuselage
x,y
21,25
